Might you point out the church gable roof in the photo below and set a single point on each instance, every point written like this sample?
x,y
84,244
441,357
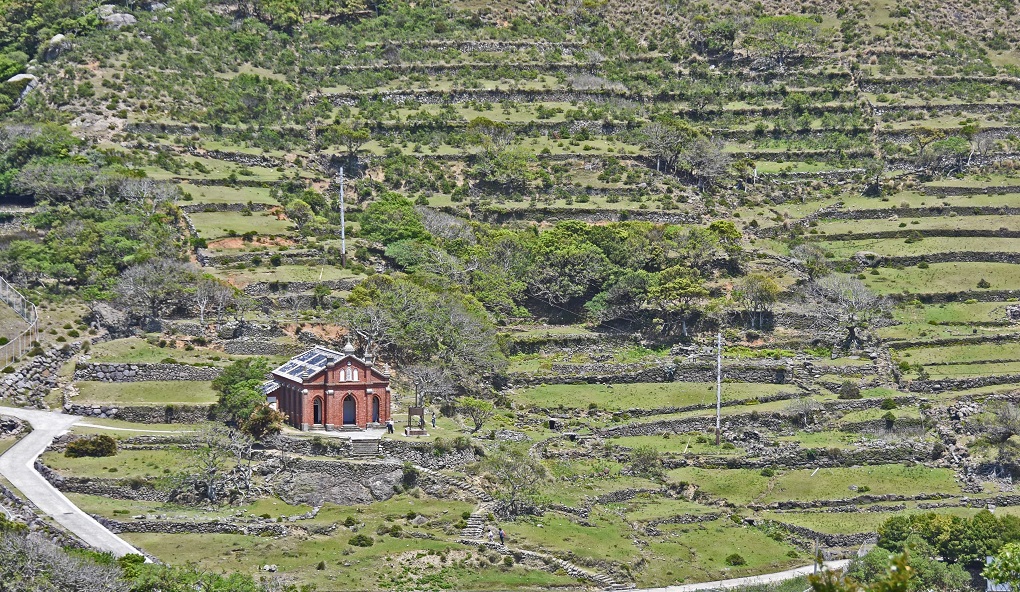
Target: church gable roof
x,y
314,361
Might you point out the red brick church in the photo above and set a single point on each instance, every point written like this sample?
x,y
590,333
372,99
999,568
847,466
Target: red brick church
x,y
323,389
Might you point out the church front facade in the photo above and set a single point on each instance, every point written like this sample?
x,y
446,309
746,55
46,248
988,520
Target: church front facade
x,y
323,389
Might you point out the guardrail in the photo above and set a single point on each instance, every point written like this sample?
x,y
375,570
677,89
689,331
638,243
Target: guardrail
x,y
17,346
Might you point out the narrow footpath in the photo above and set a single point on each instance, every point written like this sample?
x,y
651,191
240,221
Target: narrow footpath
x,y
772,578
18,466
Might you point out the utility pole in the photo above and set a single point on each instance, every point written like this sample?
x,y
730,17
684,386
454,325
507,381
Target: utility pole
x,y
718,387
343,224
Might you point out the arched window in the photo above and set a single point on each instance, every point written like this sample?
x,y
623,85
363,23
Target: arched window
x,y
347,372
355,374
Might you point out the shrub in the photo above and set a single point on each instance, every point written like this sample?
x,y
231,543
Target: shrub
x,y
361,540
889,417
983,284
768,472
849,390
508,561
100,445
735,560
888,404
350,521
321,566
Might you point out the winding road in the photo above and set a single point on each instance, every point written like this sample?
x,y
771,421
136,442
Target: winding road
x,y
17,465
772,578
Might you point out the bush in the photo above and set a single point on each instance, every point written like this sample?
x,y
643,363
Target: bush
x,y
350,521
735,560
321,566
508,561
101,445
361,540
889,417
888,404
768,472
849,390
983,284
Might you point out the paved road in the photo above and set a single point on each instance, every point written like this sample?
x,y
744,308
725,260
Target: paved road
x,y
772,578
17,465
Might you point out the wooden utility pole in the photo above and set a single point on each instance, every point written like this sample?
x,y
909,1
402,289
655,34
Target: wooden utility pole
x,y
718,387
343,223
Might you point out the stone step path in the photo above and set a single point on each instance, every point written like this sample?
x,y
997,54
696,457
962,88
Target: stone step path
x,y
365,447
475,529
554,563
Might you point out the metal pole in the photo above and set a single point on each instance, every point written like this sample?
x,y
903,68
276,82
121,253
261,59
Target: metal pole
x,y
343,224
718,387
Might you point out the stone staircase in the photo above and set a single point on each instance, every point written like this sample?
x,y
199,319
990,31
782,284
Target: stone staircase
x,y
475,529
365,447
553,564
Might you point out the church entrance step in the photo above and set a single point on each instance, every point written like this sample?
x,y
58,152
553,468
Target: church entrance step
x,y
365,447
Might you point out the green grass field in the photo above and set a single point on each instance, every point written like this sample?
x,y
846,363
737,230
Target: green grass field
x,y
146,393
213,225
283,273
620,397
125,464
136,350
218,194
945,277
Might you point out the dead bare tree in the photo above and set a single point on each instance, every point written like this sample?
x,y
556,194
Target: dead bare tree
x,y
849,307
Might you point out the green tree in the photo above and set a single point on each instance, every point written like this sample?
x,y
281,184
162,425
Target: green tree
x,y
1005,568
758,292
518,475
392,218
677,293
264,421
479,410
240,387
779,39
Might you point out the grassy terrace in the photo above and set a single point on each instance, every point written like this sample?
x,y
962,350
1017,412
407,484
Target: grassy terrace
x,y
216,194
621,397
945,277
743,486
920,224
146,393
135,350
893,247
212,225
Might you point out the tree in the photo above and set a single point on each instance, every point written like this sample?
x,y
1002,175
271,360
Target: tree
x,y
678,290
208,292
759,292
209,458
706,161
240,387
812,258
479,410
645,461
392,218
353,137
897,578
1005,568
849,306
431,383
849,390
148,288
518,475
264,421
997,428
803,408
777,40
300,213
506,170
493,136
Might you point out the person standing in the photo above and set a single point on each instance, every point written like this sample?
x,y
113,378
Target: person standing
x,y
502,536
389,426
433,420
490,534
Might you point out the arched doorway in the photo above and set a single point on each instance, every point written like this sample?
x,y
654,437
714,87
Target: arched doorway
x,y
350,411
317,411
375,409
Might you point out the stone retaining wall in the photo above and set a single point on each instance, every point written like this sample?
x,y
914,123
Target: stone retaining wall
x,y
604,373
111,488
267,288
117,372
153,414
826,540
32,381
172,527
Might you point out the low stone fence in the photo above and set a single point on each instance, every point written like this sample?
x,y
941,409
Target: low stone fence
x,y
596,373
154,414
115,372
175,527
258,347
420,453
194,208
958,384
30,383
825,539
268,288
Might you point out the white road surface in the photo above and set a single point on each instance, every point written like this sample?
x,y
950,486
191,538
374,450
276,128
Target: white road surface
x,y
772,578
17,465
